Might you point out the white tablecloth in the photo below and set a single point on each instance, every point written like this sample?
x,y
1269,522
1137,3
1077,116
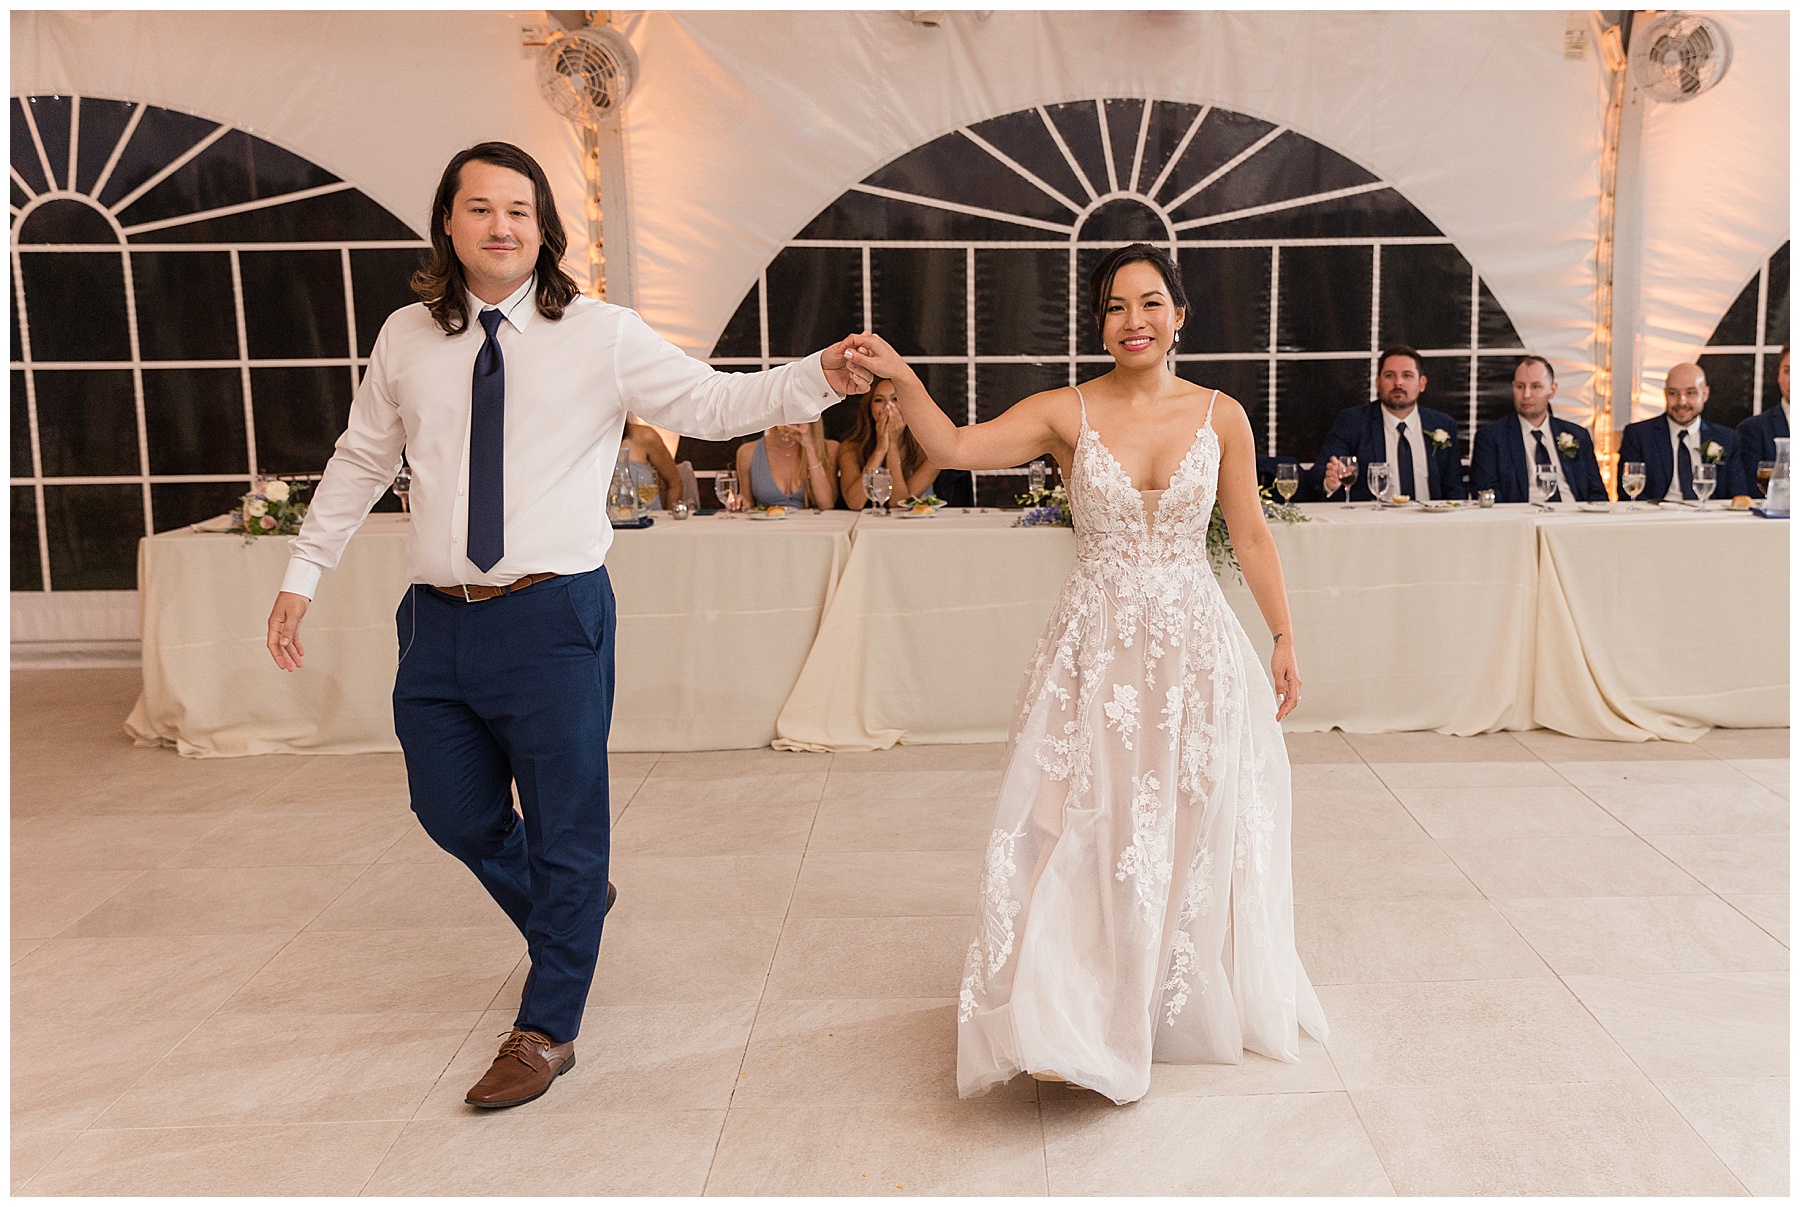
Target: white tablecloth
x,y
716,616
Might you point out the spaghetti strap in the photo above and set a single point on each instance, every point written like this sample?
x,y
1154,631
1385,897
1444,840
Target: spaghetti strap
x,y
1083,398
1207,422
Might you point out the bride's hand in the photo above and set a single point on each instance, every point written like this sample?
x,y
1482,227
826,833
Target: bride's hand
x,y
875,356
1286,677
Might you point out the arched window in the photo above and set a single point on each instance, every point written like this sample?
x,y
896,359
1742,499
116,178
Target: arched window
x,y
192,306
971,254
1741,357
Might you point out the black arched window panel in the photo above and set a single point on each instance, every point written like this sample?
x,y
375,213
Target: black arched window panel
x,y
1745,349
971,254
192,307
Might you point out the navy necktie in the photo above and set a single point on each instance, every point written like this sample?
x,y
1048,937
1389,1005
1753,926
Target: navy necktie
x,y
1406,466
1542,457
1684,465
487,450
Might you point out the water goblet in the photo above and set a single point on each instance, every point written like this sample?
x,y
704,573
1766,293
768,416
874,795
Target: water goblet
x,y
1706,477
1764,471
1544,486
1287,480
881,489
402,487
726,487
1632,479
1378,481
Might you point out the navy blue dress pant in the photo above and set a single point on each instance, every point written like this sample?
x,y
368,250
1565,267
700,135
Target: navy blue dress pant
x,y
518,689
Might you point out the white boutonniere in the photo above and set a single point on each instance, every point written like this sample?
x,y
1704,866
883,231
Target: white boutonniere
x,y
1566,444
1712,452
1440,439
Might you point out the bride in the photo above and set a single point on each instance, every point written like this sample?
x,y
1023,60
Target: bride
x,y
1137,900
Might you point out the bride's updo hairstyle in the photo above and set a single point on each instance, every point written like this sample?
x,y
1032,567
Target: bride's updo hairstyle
x,y
1100,282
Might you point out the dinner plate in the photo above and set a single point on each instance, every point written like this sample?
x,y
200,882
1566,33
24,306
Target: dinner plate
x,y
923,515
760,515
1446,505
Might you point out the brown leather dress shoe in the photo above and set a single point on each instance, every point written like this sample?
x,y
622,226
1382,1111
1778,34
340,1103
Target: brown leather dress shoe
x,y
528,1062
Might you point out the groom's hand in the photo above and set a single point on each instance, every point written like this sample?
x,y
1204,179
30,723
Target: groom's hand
x,y
284,630
840,374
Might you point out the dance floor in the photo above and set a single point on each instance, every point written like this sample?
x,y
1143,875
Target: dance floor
x,y
1551,966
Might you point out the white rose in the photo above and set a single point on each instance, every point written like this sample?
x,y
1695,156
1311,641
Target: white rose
x,y
276,492
1440,435
256,507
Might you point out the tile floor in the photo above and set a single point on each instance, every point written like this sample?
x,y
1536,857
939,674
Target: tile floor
x,y
1550,966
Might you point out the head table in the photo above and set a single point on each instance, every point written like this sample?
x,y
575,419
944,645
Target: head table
x,y
843,632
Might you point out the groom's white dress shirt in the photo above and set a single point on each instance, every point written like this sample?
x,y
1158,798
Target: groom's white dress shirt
x,y
569,384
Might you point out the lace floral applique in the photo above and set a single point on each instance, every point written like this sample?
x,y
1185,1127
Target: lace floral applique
x,y
1196,899
1146,861
993,944
1122,712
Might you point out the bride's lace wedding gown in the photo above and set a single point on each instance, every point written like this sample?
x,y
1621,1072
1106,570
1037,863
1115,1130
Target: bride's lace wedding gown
x,y
1137,900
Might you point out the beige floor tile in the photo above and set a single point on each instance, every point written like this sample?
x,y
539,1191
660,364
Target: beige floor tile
x,y
1598,1138
859,1051
954,824
250,839
905,884
1307,777
31,1151
1568,866
1555,747
736,822
526,1151
309,1159
1327,817
631,762
1272,1144
1466,1033
60,793
1730,863
1473,814
414,845
74,841
1615,773
414,896
1439,748
59,1085
733,792
237,1069
981,756
46,899
332,771
338,799
1767,910
1718,1024
826,958
1745,743
1313,1073
675,1056
1643,936
1772,774
24,947
1694,808
646,960
217,901
81,982
702,887
881,786
1744,1120
737,764
1327,747
1394,870
1372,942
1469,775
382,972
989,1146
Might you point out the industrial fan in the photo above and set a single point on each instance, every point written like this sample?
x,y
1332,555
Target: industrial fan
x,y
1677,56
587,73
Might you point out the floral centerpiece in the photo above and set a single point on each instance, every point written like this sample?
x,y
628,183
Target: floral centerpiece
x,y
274,508
1050,508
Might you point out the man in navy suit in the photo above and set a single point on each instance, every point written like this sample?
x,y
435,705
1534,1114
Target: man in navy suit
x,y
1419,444
1756,435
1673,443
1509,451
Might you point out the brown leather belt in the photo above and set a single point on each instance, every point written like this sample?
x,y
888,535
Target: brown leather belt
x,y
473,593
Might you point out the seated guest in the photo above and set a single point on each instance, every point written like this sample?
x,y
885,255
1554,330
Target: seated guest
x,y
956,487
1756,435
1509,451
879,440
787,466
1419,444
1672,443
651,464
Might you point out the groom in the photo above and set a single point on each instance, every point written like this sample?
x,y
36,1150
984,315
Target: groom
x,y
507,390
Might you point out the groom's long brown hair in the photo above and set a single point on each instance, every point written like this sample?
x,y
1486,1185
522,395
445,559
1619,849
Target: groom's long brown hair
x,y
442,285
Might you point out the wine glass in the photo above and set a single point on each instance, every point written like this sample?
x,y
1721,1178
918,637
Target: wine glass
x,y
1633,480
646,493
1764,471
1287,480
1378,481
1348,461
403,486
881,487
1705,478
726,487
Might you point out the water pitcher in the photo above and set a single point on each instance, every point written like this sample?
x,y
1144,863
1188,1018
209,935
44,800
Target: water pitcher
x,y
1777,502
